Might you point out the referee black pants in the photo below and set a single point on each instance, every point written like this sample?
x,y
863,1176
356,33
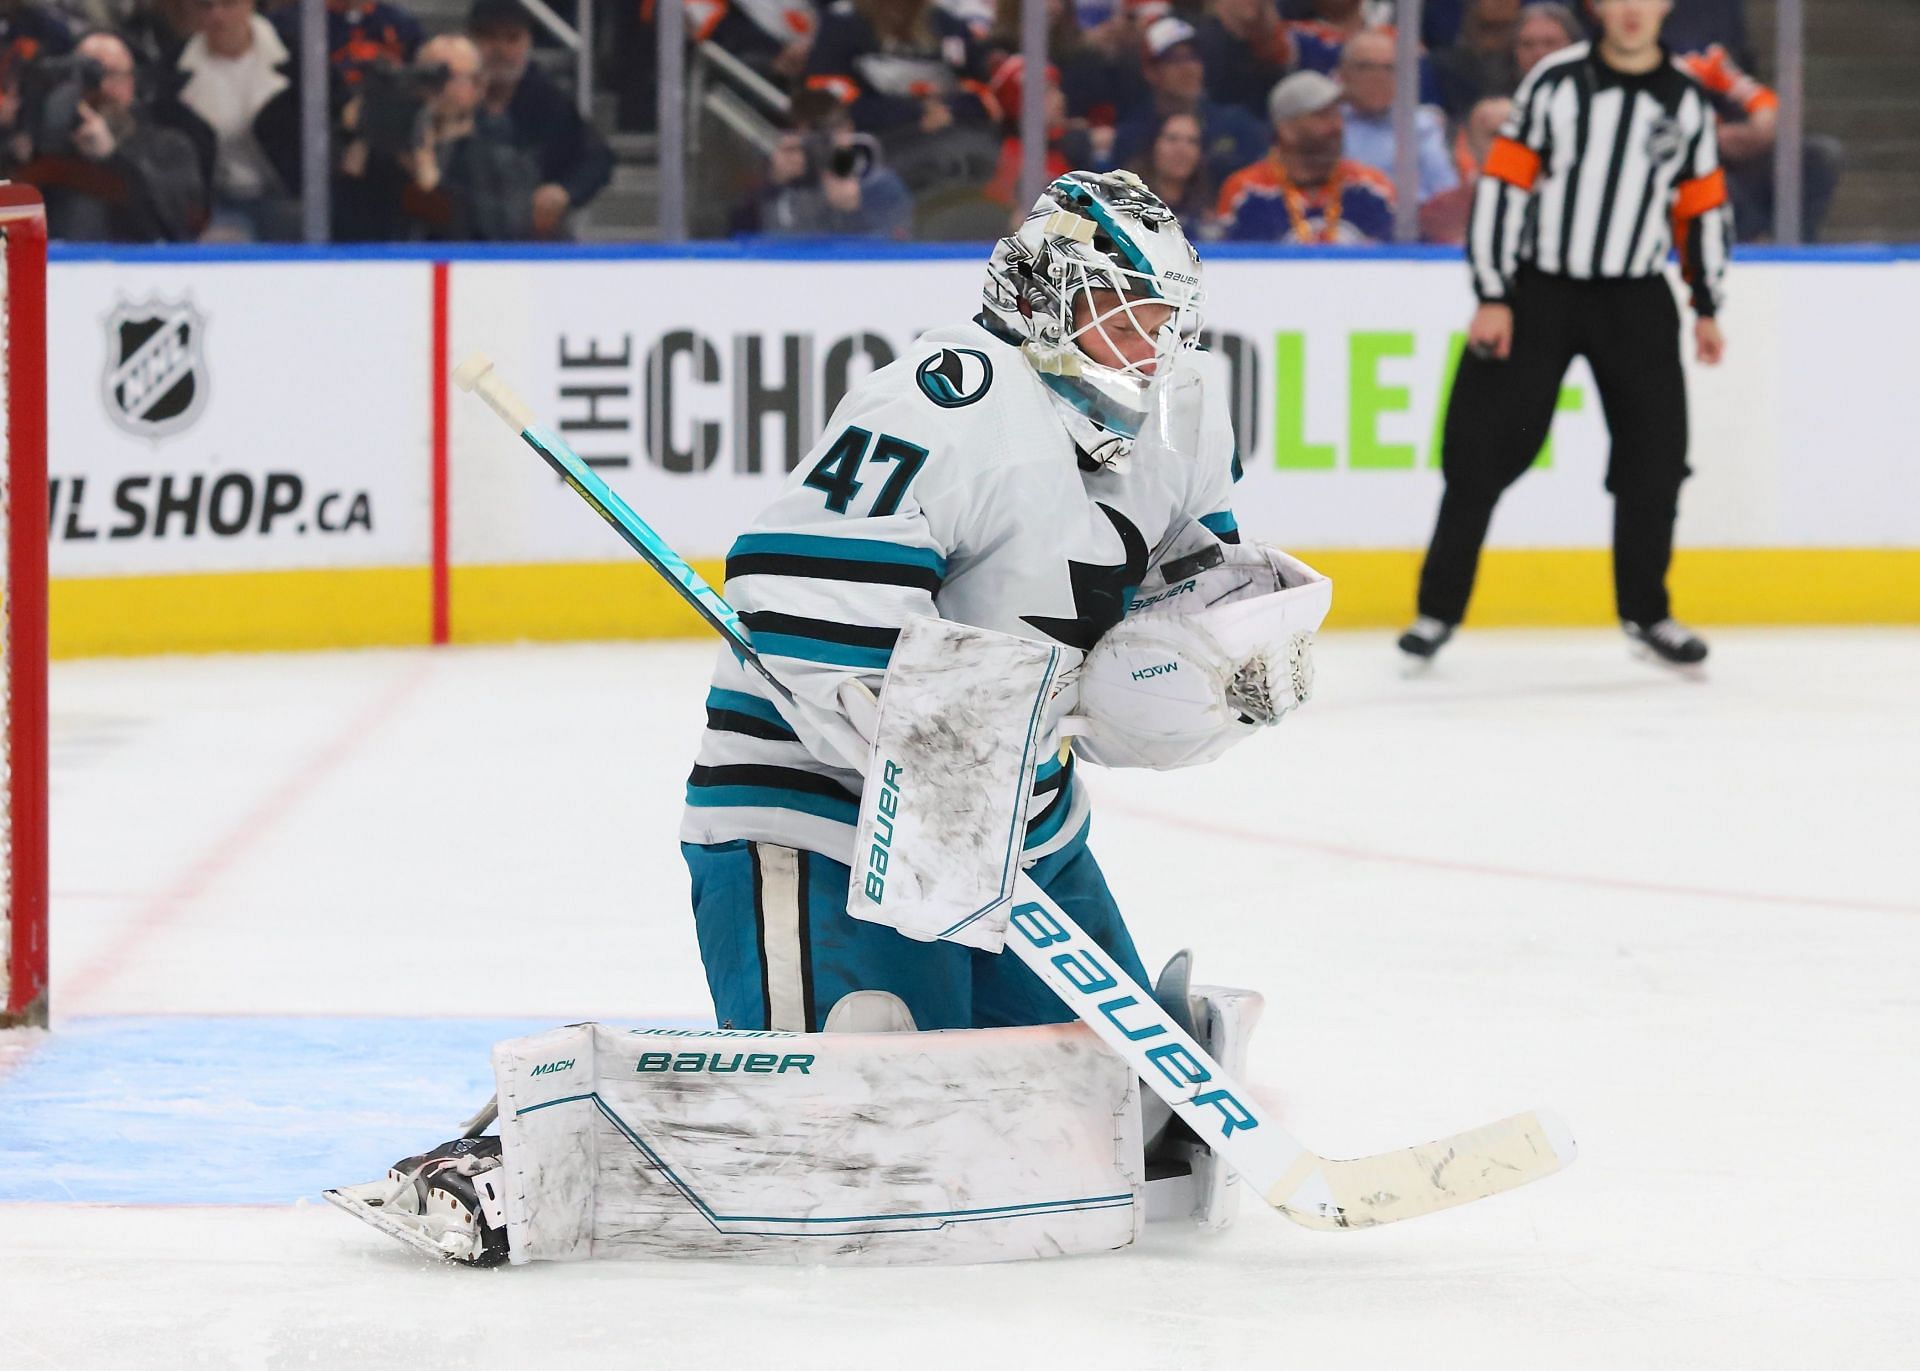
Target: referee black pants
x,y
1497,418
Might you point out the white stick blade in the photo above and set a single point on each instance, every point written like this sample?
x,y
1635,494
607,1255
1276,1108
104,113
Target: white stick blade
x,y
467,375
1368,1191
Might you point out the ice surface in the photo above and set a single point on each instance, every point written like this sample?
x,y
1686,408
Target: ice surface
x,y
294,897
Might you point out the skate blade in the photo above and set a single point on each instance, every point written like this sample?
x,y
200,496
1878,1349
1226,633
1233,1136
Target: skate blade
x,y
1686,671
350,1199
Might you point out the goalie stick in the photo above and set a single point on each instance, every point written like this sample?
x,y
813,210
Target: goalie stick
x,y
1314,1191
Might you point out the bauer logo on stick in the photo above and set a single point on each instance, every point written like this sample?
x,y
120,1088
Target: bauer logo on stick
x,y
156,377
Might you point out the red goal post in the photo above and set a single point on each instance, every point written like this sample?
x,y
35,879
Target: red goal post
x,y
23,609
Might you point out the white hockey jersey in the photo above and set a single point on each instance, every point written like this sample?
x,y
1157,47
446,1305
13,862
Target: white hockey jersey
x,y
945,483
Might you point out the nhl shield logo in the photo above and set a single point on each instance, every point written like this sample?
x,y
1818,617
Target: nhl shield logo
x,y
1665,141
156,377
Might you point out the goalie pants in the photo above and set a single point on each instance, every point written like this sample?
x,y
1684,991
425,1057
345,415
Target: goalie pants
x,y
780,948
1497,418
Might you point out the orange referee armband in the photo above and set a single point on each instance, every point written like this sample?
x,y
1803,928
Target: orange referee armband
x,y
1694,198
1513,162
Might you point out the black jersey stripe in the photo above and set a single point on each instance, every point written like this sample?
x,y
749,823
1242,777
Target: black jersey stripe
x,y
833,569
775,777
1569,188
820,630
732,721
1610,189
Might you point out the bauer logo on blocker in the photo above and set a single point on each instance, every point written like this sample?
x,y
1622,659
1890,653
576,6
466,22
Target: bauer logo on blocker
x,y
155,382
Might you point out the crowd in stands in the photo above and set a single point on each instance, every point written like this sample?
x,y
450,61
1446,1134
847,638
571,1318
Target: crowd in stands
x,y
1256,120
181,120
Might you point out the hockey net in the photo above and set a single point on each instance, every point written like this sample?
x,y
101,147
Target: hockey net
x,y
23,608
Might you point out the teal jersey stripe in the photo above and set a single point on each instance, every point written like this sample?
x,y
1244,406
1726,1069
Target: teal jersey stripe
x,y
851,549
1047,768
739,702
846,811
819,650
1221,523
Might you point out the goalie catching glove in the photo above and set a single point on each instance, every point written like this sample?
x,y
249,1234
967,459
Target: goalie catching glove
x,y
1205,659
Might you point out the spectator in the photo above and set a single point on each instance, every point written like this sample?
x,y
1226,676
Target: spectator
x,y
1317,42
1333,23
1366,73
1480,62
977,15
1441,22
358,35
1178,82
1099,86
1748,123
157,30
901,67
1175,170
827,178
235,78
1246,51
1444,218
27,31
1544,29
574,161
1304,191
1068,145
446,169
771,36
1696,25
108,170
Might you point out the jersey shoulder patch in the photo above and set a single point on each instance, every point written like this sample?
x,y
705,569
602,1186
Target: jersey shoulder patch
x,y
955,376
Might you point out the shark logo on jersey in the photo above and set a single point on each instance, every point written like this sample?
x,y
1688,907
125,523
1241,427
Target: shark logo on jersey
x,y
1100,593
955,376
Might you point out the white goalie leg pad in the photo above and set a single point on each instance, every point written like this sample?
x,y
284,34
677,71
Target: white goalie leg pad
x,y
969,1146
1209,1194
961,727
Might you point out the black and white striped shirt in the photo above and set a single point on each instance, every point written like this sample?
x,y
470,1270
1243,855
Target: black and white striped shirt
x,y
1596,174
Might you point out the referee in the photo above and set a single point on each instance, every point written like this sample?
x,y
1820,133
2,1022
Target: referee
x,y
1609,159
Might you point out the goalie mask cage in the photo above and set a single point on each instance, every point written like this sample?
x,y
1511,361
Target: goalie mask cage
x,y
23,609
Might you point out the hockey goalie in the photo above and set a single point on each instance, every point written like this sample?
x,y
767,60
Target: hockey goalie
x,y
1012,553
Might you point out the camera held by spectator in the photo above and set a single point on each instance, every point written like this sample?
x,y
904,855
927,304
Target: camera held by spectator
x,y
393,105
825,178
53,93
109,172
427,160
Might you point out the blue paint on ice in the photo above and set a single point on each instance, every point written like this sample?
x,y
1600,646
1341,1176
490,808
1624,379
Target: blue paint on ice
x,y
237,1110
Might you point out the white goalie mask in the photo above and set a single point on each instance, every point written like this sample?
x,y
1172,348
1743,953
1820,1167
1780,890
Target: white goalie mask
x,y
1101,290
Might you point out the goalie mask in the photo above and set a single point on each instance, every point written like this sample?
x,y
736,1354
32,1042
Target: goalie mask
x,y
1101,290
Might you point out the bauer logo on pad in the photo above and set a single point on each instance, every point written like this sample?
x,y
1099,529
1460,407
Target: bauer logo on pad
x,y
155,381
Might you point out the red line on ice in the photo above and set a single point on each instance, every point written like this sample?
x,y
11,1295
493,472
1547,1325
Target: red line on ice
x,y
164,908
1516,873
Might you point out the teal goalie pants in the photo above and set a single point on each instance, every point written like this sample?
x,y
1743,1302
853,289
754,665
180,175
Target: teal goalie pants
x,y
780,948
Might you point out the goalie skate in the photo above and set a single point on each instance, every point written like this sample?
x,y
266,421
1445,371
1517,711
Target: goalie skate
x,y
446,1203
